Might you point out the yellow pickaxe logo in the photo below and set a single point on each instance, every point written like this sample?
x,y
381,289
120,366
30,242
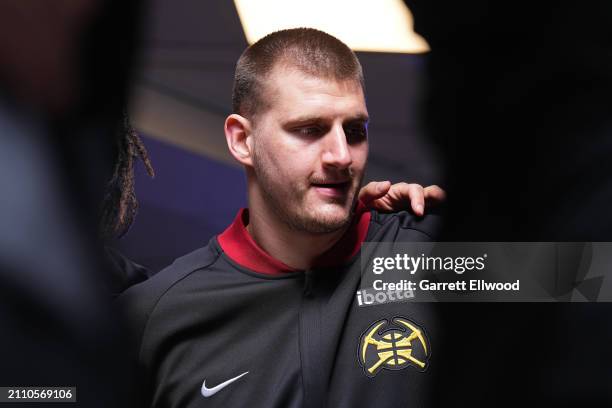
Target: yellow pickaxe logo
x,y
393,346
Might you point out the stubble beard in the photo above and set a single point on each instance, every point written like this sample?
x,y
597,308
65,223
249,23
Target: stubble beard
x,y
291,207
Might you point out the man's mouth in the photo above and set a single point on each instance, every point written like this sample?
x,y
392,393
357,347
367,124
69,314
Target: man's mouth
x,y
332,189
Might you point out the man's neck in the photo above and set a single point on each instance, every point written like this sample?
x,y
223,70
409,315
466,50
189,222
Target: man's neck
x,y
296,249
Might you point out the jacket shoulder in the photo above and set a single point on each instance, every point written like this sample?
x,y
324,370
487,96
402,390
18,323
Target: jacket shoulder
x,y
138,303
403,226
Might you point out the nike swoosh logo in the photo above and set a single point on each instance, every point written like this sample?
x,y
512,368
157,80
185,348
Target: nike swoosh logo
x,y
209,392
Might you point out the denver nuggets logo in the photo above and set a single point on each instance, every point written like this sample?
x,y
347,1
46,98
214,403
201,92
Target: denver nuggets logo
x,y
393,346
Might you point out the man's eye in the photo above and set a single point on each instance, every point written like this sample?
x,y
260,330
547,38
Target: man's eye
x,y
309,131
356,134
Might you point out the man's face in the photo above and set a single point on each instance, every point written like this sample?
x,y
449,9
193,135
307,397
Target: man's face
x,y
310,149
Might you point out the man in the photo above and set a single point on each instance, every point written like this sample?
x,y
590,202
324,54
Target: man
x,y
266,314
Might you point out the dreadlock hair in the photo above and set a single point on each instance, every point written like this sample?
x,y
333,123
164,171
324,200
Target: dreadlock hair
x,y
119,206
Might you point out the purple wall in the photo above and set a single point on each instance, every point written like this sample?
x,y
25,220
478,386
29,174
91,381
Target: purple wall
x,y
190,199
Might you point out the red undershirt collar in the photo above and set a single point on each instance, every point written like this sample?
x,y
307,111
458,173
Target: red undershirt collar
x,y
238,244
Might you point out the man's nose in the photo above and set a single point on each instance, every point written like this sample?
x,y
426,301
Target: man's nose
x,y
336,151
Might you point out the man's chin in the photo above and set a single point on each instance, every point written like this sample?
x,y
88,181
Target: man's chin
x,y
328,220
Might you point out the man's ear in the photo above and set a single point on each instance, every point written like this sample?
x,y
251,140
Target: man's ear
x,y
238,136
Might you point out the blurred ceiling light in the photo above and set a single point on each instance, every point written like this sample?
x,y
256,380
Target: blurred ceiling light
x,y
364,25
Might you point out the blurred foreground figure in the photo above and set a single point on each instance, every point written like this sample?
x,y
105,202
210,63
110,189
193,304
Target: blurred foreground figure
x,y
519,106
64,67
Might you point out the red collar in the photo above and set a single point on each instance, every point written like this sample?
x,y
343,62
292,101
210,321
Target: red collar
x,y
242,249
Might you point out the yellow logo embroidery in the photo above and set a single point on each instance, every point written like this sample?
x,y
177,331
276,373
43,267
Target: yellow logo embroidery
x,y
393,346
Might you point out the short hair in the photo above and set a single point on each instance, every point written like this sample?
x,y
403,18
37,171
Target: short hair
x,y
311,51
